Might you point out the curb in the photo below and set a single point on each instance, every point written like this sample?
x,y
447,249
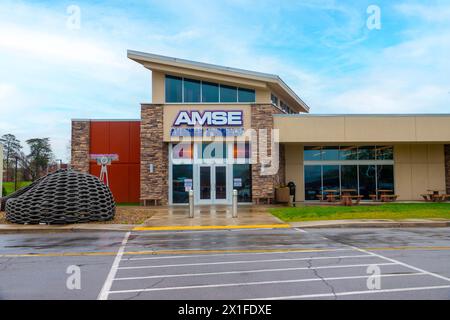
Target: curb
x,y
193,228
7,228
371,224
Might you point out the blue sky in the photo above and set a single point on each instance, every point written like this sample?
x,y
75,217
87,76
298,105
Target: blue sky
x,y
50,73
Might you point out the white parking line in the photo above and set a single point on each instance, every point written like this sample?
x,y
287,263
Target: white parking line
x,y
349,293
237,254
251,271
224,285
103,295
245,261
402,264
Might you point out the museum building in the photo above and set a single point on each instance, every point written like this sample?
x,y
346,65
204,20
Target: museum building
x,y
194,135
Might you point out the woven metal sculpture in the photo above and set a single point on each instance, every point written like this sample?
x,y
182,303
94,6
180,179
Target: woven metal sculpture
x,y
63,197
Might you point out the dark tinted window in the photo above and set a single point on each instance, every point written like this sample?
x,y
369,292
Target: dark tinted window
x,y
330,153
246,95
367,178
228,94
366,153
385,153
181,173
313,182
242,181
349,178
312,154
330,178
174,89
348,153
191,90
385,177
210,92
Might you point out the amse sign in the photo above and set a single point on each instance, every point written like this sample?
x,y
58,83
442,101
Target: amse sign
x,y
209,118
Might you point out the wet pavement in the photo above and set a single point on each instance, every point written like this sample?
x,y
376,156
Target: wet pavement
x,y
228,264
211,216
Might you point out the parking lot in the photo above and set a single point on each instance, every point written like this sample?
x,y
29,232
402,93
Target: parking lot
x,y
234,264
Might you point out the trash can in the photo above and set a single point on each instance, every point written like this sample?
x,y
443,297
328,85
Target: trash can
x,y
292,189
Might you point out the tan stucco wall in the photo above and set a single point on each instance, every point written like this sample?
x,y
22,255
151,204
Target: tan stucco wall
x,y
417,168
363,129
294,168
158,87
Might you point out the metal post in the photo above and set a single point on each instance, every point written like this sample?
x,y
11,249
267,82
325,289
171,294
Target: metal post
x,y
191,204
235,202
15,175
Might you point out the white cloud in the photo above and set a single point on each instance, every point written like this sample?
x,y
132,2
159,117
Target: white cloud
x,y
432,13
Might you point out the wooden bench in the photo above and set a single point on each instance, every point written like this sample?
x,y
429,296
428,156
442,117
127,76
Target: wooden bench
x,y
266,200
358,199
389,197
439,197
156,202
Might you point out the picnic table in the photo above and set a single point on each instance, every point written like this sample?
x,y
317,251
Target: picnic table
x,y
346,198
331,195
435,196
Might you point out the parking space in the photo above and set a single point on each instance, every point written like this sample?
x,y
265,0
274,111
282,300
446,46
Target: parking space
x,y
229,264
271,264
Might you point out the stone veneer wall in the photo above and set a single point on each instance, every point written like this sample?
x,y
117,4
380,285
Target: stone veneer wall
x,y
447,167
264,186
154,151
80,144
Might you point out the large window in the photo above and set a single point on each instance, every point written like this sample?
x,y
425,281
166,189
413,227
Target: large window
x,y
181,182
191,91
313,182
246,95
228,94
210,92
242,182
174,89
365,169
179,90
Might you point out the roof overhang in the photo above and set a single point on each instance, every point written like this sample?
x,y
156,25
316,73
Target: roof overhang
x,y
323,129
254,79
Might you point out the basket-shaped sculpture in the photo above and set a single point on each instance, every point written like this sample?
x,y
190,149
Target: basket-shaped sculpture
x,y
63,197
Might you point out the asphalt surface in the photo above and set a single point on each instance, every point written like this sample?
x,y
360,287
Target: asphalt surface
x,y
235,264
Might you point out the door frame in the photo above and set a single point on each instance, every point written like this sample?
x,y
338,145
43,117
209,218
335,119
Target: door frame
x,y
213,200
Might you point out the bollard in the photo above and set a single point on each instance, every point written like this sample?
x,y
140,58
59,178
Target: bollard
x,y
235,202
191,204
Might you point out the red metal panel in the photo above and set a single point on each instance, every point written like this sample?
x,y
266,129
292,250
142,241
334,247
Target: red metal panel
x,y
122,138
135,142
118,182
99,137
134,182
119,140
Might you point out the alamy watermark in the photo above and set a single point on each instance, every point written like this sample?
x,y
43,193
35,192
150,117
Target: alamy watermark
x,y
73,21
73,281
374,18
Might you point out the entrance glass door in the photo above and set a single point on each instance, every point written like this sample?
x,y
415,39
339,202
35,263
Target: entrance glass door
x,y
213,184
205,183
220,183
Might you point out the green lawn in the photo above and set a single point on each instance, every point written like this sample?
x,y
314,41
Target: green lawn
x,y
9,186
396,211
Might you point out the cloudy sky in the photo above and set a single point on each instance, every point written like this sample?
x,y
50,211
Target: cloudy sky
x,y
52,71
